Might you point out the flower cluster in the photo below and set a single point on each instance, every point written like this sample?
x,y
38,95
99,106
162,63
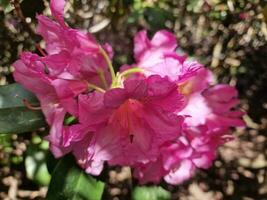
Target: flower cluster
x,y
163,116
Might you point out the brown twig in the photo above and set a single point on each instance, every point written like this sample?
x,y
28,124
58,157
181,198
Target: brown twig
x,y
22,18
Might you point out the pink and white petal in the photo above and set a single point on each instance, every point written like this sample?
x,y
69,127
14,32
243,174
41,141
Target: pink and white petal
x,y
141,45
164,39
51,32
183,172
55,134
57,9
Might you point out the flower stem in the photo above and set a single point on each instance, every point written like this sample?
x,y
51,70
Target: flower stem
x,y
19,13
111,69
131,71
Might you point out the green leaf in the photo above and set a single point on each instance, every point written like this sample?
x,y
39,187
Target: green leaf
x,y
150,193
12,96
15,117
5,141
69,182
20,120
35,164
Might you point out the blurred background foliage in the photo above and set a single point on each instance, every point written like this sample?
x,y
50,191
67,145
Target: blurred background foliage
x,y
228,36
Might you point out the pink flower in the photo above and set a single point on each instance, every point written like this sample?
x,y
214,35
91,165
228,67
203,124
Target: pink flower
x,y
74,61
72,54
214,108
158,56
210,112
166,121
178,160
31,73
131,122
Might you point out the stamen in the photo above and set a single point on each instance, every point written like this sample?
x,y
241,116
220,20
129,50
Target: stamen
x,y
131,71
29,106
126,73
40,50
46,70
111,69
93,86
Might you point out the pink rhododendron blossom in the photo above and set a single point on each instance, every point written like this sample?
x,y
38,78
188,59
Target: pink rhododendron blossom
x,y
131,122
164,116
210,113
30,72
72,54
74,61
158,56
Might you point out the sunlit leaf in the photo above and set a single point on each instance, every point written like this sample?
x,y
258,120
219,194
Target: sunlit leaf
x,y
72,183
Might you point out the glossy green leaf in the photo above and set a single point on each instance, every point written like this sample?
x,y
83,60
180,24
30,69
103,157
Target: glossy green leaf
x,y
12,96
72,183
20,120
150,193
15,117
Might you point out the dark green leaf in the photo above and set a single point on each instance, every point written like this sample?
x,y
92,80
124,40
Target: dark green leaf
x,y
15,117
12,96
20,120
150,193
69,182
51,162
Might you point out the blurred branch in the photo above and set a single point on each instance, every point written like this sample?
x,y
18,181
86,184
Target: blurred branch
x,y
100,26
22,18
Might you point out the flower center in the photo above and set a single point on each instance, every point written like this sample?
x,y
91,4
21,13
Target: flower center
x,y
127,116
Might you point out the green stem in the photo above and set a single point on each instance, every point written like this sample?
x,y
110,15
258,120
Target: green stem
x,y
131,71
111,69
125,73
